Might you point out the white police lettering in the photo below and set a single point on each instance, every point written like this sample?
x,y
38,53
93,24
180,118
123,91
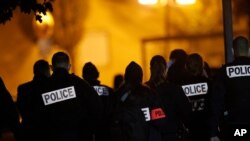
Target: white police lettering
x,y
59,95
238,71
240,132
101,90
195,89
146,113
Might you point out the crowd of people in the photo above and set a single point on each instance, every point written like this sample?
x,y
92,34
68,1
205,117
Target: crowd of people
x,y
181,101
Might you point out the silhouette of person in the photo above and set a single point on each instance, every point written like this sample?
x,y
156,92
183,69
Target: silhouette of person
x,y
131,98
9,121
176,66
118,80
158,71
41,70
198,90
91,75
66,106
231,99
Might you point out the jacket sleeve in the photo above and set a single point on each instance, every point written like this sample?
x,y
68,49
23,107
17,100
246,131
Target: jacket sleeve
x,y
9,117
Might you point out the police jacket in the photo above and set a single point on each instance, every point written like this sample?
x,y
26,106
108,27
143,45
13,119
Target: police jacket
x,y
106,95
232,94
24,103
176,105
66,107
198,91
9,120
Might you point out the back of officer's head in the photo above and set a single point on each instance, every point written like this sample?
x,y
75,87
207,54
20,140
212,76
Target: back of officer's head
x,y
194,64
41,68
60,60
133,74
90,72
178,55
240,46
158,68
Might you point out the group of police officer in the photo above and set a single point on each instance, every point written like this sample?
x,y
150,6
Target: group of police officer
x,y
178,103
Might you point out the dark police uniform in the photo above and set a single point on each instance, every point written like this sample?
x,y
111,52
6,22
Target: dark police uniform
x,y
9,121
231,96
25,103
177,110
106,95
198,90
131,113
67,108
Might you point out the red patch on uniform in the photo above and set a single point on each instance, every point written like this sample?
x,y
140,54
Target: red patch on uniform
x,y
157,113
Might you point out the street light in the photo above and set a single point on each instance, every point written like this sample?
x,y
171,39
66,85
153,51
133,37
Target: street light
x,y
185,2
164,2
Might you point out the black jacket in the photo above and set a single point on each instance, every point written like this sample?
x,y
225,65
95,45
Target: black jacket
x,y
231,94
9,120
66,107
176,105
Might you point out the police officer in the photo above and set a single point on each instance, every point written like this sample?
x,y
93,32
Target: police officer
x,y
91,75
132,107
158,71
231,99
9,121
25,93
177,109
67,107
197,88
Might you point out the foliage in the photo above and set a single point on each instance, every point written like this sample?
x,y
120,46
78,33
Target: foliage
x,y
26,6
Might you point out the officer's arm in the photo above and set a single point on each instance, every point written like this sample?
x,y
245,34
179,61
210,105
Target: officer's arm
x,y
217,103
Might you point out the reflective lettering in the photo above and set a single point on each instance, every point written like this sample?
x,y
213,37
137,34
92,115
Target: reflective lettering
x,y
195,89
101,90
59,95
238,71
146,113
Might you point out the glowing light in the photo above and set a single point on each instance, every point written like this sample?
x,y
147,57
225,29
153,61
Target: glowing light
x,y
46,20
148,2
185,2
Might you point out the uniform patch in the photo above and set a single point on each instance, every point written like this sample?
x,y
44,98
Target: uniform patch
x,y
195,89
157,113
238,71
59,95
101,90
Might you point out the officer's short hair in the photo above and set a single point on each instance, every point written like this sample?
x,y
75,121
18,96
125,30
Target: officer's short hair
x,y
240,46
90,72
178,55
41,67
60,60
194,64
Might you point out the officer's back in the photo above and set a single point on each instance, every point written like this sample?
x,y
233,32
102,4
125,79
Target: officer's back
x,y
68,106
231,96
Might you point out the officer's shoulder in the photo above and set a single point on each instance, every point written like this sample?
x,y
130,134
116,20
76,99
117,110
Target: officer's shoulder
x,y
79,80
24,85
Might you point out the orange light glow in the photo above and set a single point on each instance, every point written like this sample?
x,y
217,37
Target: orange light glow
x,y
148,2
185,2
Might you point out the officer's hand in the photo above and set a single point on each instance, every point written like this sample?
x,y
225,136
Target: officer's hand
x,y
215,138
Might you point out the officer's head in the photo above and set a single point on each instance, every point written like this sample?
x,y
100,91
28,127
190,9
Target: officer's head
x,y
133,74
60,60
194,64
240,46
178,55
41,68
90,72
158,68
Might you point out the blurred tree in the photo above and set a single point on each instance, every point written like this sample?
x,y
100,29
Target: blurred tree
x,y
69,19
26,6
241,8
